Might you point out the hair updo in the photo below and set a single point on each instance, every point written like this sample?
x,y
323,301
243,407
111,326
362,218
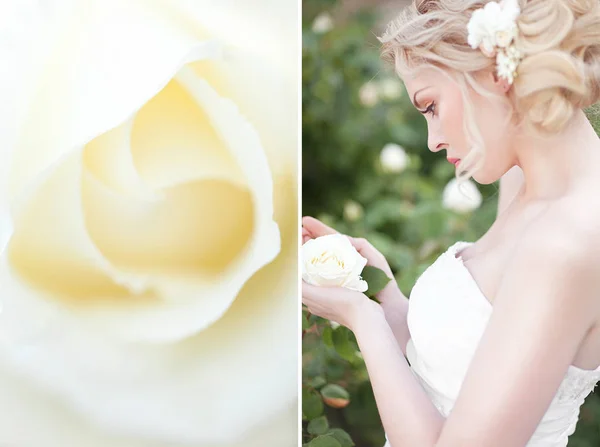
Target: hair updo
x,y
560,71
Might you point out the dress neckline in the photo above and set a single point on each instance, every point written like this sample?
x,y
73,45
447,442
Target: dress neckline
x,y
455,250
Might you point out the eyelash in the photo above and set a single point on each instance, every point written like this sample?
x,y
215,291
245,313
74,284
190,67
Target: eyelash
x,y
430,109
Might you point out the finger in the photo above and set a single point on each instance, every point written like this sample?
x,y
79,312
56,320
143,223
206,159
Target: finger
x,y
315,227
314,293
367,250
361,245
308,293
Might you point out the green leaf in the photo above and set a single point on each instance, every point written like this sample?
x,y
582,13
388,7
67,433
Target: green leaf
x,y
313,319
318,426
327,336
341,343
317,382
376,279
324,441
305,324
593,115
342,437
312,405
334,391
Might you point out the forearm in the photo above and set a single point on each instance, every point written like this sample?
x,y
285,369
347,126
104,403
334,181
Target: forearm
x,y
395,306
407,414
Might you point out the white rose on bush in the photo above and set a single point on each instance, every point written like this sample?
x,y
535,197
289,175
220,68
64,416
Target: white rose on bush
x,y
393,158
322,23
391,88
332,261
461,199
148,287
353,211
368,94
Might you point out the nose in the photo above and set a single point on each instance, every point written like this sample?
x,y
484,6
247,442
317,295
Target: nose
x,y
435,140
436,147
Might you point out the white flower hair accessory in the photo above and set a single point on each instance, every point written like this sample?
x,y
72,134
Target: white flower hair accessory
x,y
493,29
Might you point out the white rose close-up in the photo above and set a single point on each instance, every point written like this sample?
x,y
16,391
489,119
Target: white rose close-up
x,y
461,198
148,204
393,158
332,261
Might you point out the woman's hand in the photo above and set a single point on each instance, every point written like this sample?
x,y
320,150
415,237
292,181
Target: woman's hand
x,y
313,228
338,304
393,302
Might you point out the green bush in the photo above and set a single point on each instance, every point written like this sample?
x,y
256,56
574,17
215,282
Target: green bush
x,y
345,127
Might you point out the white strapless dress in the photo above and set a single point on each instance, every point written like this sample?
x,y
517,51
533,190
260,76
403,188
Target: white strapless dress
x,y
447,316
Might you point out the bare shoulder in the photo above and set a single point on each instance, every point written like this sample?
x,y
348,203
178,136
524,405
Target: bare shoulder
x,y
574,224
566,231
563,243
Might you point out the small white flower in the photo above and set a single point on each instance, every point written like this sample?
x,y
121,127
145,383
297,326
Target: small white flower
x,y
390,89
513,52
332,261
505,37
334,324
462,200
504,66
352,211
507,62
368,94
322,23
487,49
481,26
393,158
493,25
492,29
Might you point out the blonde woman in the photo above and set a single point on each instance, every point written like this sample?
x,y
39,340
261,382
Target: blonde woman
x,y
502,335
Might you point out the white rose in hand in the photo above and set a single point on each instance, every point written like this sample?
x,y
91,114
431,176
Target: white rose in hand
x,y
148,288
332,261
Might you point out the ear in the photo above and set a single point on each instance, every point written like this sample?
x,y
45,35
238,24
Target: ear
x,y
500,83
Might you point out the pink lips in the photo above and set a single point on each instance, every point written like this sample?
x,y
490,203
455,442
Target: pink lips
x,y
454,161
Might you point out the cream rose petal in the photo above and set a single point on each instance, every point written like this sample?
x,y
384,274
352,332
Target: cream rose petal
x,y
23,407
179,392
259,66
96,81
196,301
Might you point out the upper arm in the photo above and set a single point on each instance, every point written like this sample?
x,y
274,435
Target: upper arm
x,y
510,184
542,312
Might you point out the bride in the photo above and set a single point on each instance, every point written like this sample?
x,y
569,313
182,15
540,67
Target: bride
x,y
502,335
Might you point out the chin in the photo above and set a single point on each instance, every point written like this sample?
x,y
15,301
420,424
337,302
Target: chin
x,y
484,177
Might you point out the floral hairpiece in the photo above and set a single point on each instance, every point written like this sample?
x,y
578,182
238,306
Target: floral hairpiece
x,y
493,29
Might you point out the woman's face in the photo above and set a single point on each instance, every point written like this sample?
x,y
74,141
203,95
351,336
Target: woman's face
x,y
439,98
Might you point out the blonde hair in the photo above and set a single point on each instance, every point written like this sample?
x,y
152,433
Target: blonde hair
x,y
560,71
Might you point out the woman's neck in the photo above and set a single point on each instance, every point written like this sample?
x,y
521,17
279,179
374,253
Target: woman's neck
x,y
552,166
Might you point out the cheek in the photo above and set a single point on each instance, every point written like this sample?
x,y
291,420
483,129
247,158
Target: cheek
x,y
451,121
496,137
